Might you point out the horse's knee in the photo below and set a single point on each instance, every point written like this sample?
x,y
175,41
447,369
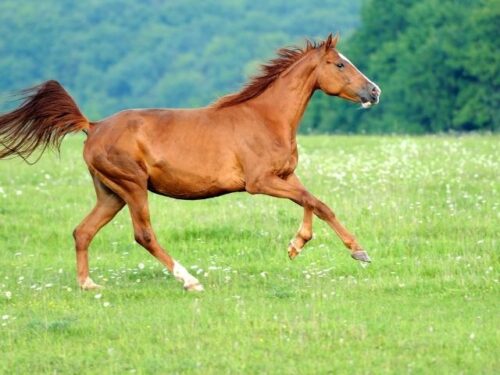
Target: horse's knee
x,y
308,201
324,212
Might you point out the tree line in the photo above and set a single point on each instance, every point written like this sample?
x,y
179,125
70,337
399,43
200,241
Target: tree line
x,y
118,54
436,61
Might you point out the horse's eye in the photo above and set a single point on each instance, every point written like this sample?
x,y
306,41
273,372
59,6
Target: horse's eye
x,y
340,65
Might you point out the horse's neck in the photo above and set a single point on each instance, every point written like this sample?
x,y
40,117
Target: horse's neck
x,y
285,101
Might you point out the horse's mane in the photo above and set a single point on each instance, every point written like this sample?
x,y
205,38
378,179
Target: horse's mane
x,y
269,72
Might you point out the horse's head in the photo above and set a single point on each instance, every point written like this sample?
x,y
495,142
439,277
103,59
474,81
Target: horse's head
x,y
337,76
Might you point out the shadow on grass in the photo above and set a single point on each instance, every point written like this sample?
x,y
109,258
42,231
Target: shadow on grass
x,y
63,326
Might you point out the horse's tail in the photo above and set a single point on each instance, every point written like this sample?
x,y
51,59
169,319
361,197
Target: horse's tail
x,y
47,114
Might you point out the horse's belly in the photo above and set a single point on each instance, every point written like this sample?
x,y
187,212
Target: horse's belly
x,y
191,184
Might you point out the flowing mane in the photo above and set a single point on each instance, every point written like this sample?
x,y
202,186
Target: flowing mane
x,y
269,72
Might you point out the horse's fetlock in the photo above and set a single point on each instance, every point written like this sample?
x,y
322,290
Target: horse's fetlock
x,y
306,236
352,244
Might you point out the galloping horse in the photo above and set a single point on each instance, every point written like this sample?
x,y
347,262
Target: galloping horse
x,y
245,141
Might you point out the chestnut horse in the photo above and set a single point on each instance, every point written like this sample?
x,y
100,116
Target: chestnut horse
x,y
245,141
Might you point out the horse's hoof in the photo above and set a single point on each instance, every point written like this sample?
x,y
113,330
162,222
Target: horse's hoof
x,y
292,251
194,288
88,284
361,255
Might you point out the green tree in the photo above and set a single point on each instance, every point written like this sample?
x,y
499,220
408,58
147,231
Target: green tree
x,y
119,54
437,62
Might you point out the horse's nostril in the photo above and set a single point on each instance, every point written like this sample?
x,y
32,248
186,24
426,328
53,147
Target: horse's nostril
x,y
374,91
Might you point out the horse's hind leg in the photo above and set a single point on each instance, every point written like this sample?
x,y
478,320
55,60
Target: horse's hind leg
x,y
135,194
145,236
107,206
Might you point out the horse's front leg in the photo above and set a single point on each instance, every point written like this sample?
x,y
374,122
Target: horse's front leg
x,y
292,189
303,235
305,232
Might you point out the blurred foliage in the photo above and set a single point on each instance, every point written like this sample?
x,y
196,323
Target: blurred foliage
x,y
115,54
436,61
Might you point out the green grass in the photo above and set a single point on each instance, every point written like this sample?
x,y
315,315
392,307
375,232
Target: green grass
x,y
426,209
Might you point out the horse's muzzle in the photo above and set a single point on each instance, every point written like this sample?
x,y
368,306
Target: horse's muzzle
x,y
370,95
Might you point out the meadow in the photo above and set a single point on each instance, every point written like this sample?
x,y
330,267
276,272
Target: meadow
x,y
425,208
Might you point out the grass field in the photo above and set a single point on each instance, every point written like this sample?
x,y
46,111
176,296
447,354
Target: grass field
x,y
426,209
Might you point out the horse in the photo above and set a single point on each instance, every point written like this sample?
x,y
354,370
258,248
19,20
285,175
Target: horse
x,y
244,141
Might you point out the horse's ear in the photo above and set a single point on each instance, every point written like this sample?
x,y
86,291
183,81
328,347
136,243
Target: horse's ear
x,y
335,40
331,41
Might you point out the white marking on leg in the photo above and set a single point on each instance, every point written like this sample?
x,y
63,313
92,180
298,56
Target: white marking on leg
x,y
294,245
189,281
89,284
293,250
